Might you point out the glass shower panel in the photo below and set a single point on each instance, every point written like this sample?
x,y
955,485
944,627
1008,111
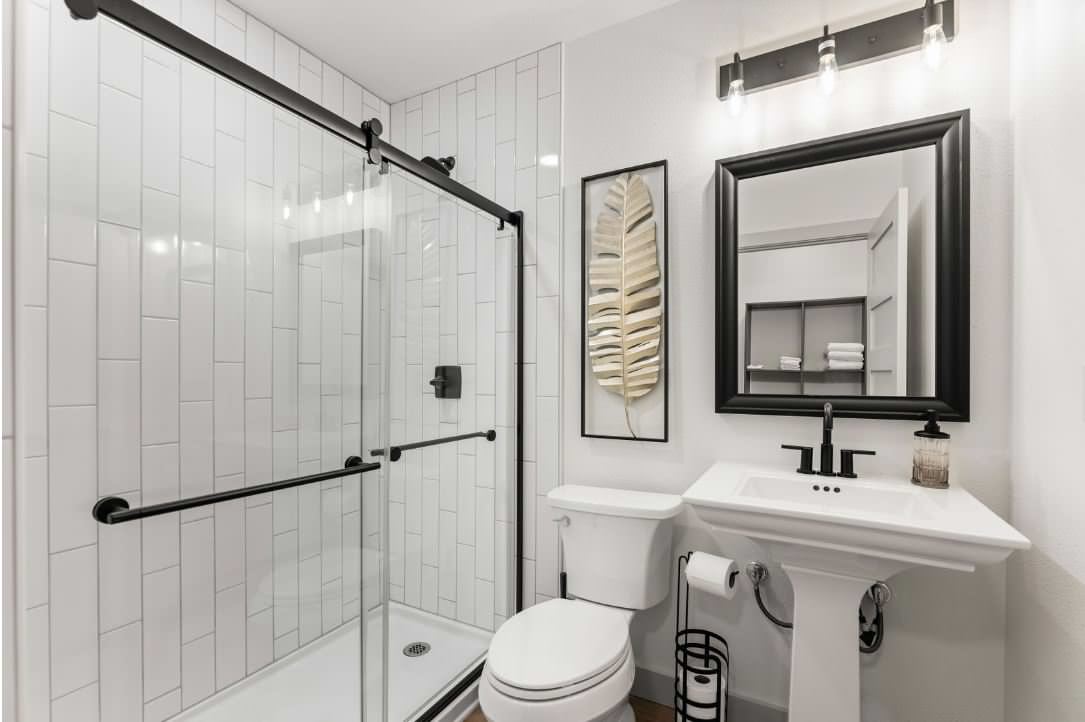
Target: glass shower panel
x,y
451,515
256,289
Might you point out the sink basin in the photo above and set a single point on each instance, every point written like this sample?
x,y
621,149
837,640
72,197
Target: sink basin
x,y
872,526
835,537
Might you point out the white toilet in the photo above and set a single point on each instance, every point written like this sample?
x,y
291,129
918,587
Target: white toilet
x,y
570,660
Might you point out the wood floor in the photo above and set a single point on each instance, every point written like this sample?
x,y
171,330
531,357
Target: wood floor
x,y
646,712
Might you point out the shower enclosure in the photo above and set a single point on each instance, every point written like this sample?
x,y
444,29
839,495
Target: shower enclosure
x,y
288,522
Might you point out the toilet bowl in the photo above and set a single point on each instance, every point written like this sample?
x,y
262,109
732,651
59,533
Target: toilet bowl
x,y
571,660
560,660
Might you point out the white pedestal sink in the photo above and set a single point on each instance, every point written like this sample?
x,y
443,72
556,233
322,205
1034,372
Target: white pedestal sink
x,y
834,538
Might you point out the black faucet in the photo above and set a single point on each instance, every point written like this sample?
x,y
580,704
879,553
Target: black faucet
x,y
847,456
827,441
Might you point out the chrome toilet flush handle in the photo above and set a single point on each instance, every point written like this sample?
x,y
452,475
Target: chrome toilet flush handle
x,y
561,520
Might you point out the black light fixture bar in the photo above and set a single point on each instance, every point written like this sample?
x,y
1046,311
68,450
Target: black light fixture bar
x,y
114,509
157,28
860,44
395,452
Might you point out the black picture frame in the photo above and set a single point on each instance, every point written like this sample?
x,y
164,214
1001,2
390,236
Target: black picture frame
x,y
949,135
584,259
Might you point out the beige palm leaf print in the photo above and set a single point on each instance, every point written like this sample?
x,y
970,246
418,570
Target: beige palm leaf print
x,y
625,322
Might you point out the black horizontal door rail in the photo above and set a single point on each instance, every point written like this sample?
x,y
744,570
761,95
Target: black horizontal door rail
x,y
181,41
114,509
395,452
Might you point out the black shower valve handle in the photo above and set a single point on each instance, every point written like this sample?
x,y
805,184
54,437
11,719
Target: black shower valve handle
x,y
447,382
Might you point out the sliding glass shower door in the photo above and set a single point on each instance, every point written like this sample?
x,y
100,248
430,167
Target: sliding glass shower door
x,y
199,329
227,295
449,276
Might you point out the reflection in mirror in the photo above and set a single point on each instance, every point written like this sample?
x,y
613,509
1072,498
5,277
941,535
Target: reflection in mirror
x,y
836,278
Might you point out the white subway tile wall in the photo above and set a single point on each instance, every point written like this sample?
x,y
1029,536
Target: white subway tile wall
x,y
187,323
453,296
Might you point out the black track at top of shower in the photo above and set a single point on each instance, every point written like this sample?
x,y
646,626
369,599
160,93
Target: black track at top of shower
x,y
139,18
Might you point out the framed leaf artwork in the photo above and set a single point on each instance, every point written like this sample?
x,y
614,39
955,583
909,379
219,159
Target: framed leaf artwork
x,y
624,361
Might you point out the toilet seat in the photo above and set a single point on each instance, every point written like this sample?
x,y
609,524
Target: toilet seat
x,y
558,648
543,695
607,700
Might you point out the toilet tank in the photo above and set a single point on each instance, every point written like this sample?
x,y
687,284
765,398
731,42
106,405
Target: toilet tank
x,y
617,543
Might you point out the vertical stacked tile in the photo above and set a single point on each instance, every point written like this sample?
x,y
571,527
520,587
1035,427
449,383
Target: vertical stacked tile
x,y
452,514
161,293
547,257
284,359
67,626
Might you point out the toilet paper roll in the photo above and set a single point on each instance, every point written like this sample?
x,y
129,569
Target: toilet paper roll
x,y
700,688
713,574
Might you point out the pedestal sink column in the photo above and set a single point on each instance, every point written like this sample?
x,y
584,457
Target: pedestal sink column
x,y
825,646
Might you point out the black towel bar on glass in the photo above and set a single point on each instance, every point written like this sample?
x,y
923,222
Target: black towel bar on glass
x,y
396,451
114,509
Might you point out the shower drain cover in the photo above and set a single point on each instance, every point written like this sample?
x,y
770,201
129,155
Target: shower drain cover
x,y
416,649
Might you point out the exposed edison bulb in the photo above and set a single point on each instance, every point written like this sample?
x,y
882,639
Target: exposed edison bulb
x,y
827,72
736,92
934,37
736,97
827,66
934,45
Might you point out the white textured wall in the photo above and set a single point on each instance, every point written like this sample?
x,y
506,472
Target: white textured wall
x,y
176,334
645,90
452,514
7,455
1046,588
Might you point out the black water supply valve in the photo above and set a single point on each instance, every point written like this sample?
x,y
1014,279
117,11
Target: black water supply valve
x,y
447,382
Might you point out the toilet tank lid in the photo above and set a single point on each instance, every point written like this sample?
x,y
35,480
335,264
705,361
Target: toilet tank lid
x,y
615,502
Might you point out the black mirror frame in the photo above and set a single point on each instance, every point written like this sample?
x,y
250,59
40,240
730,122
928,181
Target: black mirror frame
x,y
949,134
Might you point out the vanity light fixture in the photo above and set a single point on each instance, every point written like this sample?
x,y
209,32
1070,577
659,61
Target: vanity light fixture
x,y
934,36
827,67
925,28
736,87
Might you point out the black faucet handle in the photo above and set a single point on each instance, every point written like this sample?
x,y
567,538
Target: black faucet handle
x,y
847,462
806,458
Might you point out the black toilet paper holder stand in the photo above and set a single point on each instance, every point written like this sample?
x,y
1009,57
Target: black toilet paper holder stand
x,y
701,655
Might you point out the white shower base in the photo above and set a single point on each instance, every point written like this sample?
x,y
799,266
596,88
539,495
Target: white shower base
x,y
321,682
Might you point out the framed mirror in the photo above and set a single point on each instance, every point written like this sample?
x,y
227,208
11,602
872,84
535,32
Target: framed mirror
x,y
842,275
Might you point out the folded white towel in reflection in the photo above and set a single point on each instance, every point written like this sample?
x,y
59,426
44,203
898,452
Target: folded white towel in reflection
x,y
844,355
790,363
755,367
842,346
845,365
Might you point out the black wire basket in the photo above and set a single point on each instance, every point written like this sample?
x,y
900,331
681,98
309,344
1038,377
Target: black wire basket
x,y
700,656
